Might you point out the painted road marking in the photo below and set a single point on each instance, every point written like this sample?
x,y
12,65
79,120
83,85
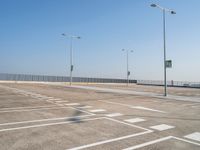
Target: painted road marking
x,y
134,120
115,139
97,110
148,143
21,108
41,120
162,127
72,104
50,119
135,107
159,140
60,101
43,125
35,109
114,115
194,136
84,107
149,109
108,141
55,99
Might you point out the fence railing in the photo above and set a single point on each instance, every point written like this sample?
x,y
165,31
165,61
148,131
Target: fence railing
x,y
170,83
46,78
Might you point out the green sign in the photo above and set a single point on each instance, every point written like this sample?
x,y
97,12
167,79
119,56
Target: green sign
x,y
168,63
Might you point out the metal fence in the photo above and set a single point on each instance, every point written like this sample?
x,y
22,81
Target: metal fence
x,y
45,78
170,83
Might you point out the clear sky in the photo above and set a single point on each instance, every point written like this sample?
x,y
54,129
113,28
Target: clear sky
x,y
31,41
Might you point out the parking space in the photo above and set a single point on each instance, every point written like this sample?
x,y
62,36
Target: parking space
x,y
41,116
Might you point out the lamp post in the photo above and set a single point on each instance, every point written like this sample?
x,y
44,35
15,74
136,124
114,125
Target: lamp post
x,y
127,62
164,10
71,55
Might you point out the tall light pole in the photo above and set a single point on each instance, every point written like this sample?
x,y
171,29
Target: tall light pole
x,y
71,55
127,62
164,10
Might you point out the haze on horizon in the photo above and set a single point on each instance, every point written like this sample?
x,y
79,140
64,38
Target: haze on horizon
x,y
31,41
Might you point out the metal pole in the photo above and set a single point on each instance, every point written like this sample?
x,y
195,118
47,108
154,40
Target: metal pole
x,y
127,69
71,60
164,40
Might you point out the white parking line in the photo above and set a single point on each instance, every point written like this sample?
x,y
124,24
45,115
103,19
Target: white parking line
x,y
162,127
149,109
157,141
13,108
194,136
133,125
134,120
114,115
41,120
43,125
131,106
50,119
22,110
115,139
105,101
148,143
108,141
72,104
97,110
55,99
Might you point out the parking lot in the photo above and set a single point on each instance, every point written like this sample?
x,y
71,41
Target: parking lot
x,y
57,117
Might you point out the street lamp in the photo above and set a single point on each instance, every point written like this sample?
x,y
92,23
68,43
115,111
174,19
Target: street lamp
x,y
71,54
164,10
127,59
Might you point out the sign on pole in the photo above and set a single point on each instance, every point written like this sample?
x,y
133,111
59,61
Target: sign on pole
x,y
168,63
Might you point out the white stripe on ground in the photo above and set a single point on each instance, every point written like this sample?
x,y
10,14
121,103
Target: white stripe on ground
x,y
162,127
72,104
132,125
108,141
42,120
11,108
194,136
114,115
19,110
89,114
43,125
82,110
159,140
55,99
131,106
134,120
148,143
187,141
149,109
97,110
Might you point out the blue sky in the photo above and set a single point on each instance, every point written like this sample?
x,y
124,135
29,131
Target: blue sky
x,y
31,41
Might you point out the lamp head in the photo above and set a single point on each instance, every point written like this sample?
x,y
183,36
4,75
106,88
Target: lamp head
x,y
153,5
172,12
